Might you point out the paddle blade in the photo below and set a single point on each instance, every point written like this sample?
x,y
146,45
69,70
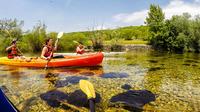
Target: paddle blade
x,y
60,34
76,42
87,88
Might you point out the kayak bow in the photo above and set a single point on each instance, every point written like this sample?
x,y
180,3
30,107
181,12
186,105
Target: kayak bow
x,y
5,104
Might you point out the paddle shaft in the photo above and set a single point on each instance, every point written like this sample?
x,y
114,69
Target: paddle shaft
x,y
20,51
92,105
51,55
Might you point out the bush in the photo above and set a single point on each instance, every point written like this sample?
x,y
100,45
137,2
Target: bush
x,y
9,29
173,35
34,40
195,39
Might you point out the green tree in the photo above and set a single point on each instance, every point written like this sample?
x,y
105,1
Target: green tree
x,y
173,35
155,19
178,28
155,22
195,41
34,40
69,40
96,37
127,34
9,29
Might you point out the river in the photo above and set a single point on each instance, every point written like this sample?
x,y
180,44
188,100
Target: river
x,y
174,79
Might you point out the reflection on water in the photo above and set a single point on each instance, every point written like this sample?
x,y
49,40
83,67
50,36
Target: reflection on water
x,y
174,78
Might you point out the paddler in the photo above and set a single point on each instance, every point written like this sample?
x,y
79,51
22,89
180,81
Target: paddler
x,y
48,49
14,52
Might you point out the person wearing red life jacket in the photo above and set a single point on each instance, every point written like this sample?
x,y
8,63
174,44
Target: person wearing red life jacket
x,y
14,52
48,49
80,49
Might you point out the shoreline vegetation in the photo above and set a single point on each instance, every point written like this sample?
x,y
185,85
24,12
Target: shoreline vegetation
x,y
179,34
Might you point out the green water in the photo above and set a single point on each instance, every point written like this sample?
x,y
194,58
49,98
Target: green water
x,y
174,78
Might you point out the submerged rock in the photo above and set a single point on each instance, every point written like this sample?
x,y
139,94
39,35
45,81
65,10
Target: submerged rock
x,y
69,80
132,64
133,98
54,98
114,75
186,64
153,61
194,65
191,61
52,77
17,73
155,68
78,98
126,87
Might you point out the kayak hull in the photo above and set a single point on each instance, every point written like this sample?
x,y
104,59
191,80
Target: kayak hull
x,y
92,59
5,104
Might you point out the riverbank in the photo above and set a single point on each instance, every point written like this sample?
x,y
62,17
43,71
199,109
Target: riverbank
x,y
127,47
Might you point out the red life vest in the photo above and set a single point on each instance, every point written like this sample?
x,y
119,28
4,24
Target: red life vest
x,y
12,53
79,51
49,51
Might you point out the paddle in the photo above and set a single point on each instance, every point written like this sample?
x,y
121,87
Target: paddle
x,y
60,34
88,89
76,42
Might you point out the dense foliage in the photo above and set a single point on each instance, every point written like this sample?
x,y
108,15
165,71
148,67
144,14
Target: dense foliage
x,y
33,40
9,29
178,34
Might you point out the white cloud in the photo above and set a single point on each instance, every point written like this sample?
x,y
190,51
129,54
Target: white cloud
x,y
133,17
197,0
178,7
175,7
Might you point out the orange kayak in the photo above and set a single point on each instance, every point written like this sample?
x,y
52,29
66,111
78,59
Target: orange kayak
x,y
92,59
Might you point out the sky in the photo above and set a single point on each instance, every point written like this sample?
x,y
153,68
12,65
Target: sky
x,y
83,15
